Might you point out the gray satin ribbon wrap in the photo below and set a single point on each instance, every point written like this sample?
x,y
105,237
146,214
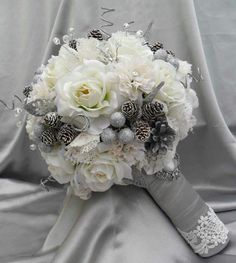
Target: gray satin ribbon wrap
x,y
192,217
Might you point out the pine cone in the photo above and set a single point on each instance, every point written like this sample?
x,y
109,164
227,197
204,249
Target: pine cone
x,y
52,119
27,90
151,111
48,137
142,131
162,137
130,109
169,52
66,134
73,44
156,46
96,33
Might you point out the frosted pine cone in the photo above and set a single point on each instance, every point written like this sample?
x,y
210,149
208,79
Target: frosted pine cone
x,y
52,119
151,111
142,131
73,44
48,137
130,109
27,90
162,137
66,134
156,46
96,33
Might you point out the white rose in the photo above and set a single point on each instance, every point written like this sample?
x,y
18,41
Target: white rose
x,y
79,190
88,90
102,172
60,169
122,44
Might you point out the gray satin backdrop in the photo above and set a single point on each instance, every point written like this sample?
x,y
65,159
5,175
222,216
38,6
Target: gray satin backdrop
x,y
124,224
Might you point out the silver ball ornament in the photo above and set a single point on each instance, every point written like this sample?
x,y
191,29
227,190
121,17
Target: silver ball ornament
x,y
160,54
117,119
108,136
173,61
126,136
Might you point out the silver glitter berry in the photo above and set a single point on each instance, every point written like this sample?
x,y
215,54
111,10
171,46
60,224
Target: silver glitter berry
x,y
117,119
108,136
126,136
33,147
160,54
173,61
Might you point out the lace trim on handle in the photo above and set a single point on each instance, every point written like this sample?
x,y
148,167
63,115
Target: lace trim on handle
x,y
207,234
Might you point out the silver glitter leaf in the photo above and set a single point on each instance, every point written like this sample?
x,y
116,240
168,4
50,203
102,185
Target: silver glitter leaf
x,y
153,94
40,107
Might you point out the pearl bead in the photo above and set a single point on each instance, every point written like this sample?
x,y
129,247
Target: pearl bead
x,y
19,124
139,33
56,41
71,30
33,147
66,39
135,74
18,111
126,25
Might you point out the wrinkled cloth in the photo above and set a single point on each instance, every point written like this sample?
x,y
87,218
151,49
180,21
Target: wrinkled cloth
x,y
123,224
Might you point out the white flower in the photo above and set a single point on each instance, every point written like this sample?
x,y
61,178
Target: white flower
x,y
60,169
174,93
80,149
88,48
135,76
79,190
104,171
89,90
58,66
180,115
123,44
41,91
31,122
153,164
133,154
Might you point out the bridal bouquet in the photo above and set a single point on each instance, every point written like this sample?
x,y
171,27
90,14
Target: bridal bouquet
x,y
105,105
111,109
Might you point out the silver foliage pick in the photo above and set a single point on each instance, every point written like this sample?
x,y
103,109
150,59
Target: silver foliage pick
x,y
153,94
108,23
13,103
79,122
39,107
44,181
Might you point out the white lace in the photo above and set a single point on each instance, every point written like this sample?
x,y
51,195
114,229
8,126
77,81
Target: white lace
x,y
208,233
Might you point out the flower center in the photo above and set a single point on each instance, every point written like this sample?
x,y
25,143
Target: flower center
x,y
83,90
